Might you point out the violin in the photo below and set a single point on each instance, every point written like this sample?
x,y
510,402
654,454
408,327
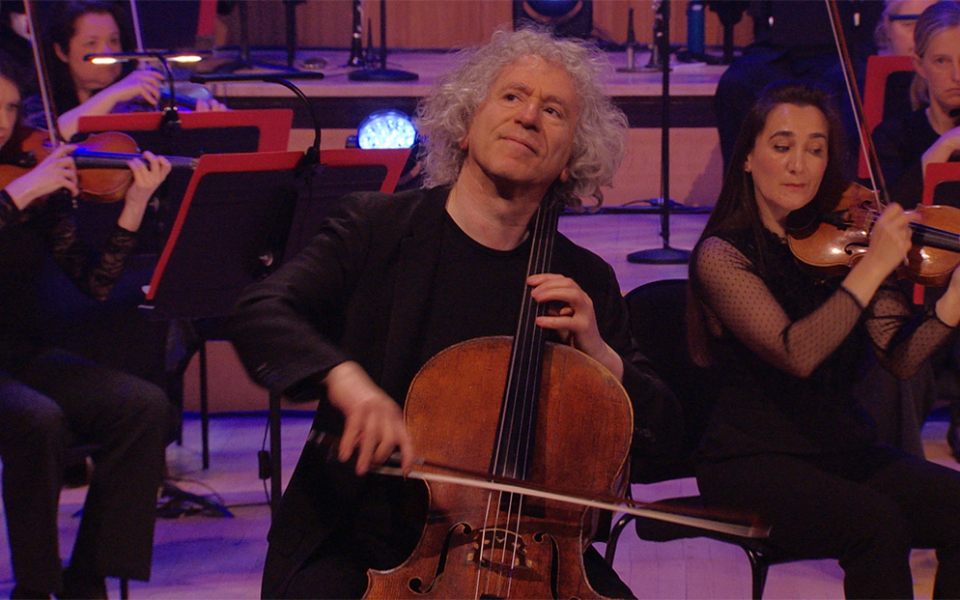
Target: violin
x,y
101,160
838,239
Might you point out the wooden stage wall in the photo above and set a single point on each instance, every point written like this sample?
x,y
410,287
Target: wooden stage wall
x,y
445,24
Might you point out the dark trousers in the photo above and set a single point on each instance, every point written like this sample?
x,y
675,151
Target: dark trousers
x,y
58,399
867,509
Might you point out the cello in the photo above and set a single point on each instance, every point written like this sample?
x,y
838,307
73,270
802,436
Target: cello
x,y
480,543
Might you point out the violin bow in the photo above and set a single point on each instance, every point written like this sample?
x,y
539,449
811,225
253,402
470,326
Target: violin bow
x,y
866,142
493,483
39,60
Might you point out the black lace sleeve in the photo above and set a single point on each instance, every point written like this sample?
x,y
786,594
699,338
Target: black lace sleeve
x,y
94,275
9,213
901,339
740,302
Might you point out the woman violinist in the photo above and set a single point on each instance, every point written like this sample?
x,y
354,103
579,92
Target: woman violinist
x,y
907,143
786,439
50,399
81,88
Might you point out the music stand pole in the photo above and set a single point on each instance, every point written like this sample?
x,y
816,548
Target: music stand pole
x,y
666,254
245,61
290,18
382,73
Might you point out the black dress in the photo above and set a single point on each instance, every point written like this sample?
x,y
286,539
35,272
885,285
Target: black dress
x,y
788,441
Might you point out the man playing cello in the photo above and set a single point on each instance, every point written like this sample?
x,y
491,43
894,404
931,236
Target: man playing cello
x,y
392,280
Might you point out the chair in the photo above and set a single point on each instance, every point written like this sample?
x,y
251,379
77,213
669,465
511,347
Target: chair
x,y
886,92
937,174
941,185
657,321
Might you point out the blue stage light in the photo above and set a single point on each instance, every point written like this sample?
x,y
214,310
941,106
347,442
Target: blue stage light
x,y
386,129
553,8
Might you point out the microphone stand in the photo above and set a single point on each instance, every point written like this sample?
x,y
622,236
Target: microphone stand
x,y
666,254
356,37
244,61
382,73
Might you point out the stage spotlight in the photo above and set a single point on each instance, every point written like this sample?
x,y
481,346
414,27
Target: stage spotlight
x,y
567,18
386,129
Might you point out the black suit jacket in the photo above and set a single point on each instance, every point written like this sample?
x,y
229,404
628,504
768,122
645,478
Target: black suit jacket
x,y
360,292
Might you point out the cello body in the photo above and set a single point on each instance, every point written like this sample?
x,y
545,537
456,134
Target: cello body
x,y
479,543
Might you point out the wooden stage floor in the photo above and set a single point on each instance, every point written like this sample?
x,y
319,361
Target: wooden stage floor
x,y
206,557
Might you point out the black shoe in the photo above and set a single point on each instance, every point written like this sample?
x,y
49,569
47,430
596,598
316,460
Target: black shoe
x,y
21,593
953,439
82,586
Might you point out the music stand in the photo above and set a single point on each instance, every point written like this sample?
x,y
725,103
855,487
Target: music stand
x,y
342,172
244,214
212,132
215,132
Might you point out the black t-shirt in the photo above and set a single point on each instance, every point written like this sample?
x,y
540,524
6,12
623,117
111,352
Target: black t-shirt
x,y
477,291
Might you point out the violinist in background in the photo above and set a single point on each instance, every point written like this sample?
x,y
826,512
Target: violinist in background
x,y
15,39
391,280
786,439
81,88
894,37
50,399
894,31
793,40
906,144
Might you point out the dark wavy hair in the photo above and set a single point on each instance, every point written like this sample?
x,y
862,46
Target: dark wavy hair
x,y
61,29
737,210
13,73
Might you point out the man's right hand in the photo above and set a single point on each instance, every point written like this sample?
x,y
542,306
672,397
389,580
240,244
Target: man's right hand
x,y
374,426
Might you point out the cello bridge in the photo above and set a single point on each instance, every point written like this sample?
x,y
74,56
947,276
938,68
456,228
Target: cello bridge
x,y
497,548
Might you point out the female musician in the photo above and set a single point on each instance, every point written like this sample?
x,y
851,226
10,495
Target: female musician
x,y
906,144
391,280
786,439
50,399
894,32
81,88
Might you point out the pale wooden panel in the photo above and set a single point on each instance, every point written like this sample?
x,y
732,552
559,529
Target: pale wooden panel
x,y
444,24
325,24
696,168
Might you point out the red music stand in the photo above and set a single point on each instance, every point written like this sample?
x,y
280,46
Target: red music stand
x,y
344,171
269,129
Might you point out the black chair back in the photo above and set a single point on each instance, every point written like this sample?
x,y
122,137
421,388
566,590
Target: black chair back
x,y
658,323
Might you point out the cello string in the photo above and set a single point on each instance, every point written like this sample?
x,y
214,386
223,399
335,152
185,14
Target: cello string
x,y
504,448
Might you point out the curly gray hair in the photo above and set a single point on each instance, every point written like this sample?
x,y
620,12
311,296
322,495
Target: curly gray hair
x,y
444,117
